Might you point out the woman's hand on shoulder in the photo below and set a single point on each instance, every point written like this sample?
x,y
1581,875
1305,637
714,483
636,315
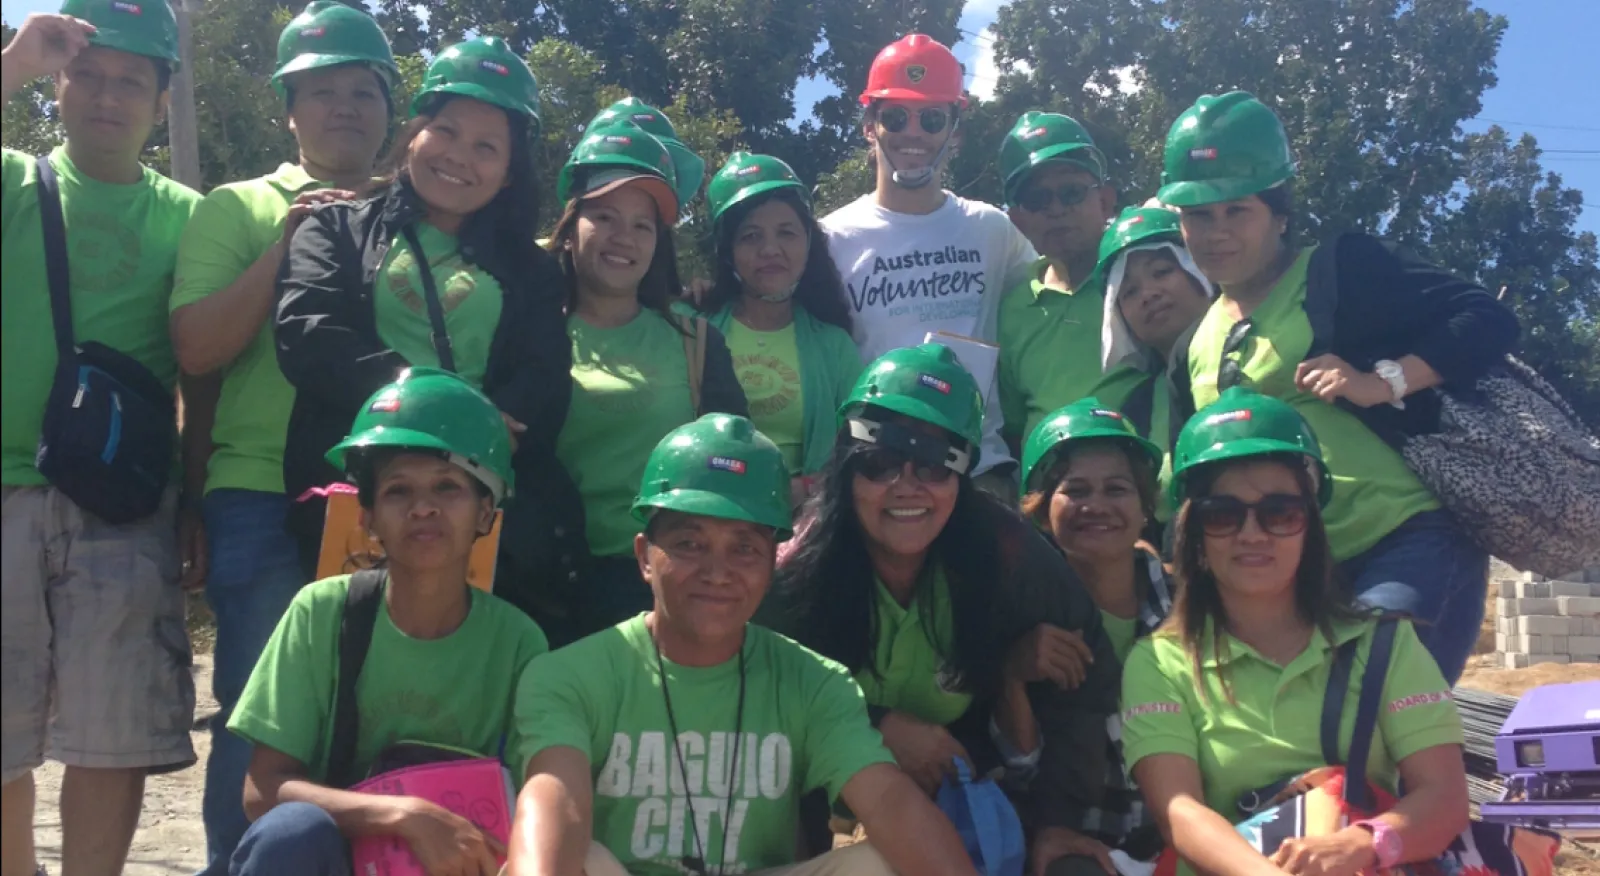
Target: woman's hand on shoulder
x,y
1048,652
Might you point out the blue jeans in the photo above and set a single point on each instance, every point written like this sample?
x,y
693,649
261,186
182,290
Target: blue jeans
x,y
254,572
295,838
1430,569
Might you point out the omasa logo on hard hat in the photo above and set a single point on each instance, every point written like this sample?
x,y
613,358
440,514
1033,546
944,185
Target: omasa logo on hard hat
x,y
385,404
727,464
1129,223
312,32
932,382
915,72
747,170
1227,417
1029,134
130,8
643,117
618,139
1102,412
495,67
1207,154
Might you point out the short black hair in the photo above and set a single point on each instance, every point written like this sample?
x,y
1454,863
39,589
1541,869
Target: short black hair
x,y
1280,200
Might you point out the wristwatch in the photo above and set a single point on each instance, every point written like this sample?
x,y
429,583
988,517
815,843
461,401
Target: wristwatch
x,y
1395,376
1386,842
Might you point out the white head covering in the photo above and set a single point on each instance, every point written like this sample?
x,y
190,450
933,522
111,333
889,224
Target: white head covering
x,y
1118,346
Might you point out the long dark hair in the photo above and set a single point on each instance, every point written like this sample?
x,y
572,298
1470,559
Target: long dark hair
x,y
821,289
827,593
1318,598
511,219
658,288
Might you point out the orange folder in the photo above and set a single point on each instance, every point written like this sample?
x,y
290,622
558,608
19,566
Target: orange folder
x,y
346,547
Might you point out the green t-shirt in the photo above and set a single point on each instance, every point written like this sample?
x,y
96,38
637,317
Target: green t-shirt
x,y
1121,631
1272,729
908,672
456,691
470,297
1374,492
805,727
1049,349
122,241
233,226
630,387
768,366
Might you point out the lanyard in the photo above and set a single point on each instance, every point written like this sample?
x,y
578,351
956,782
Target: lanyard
x,y
697,864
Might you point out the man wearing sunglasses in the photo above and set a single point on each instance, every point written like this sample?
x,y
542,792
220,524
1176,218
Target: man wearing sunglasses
x,y
1054,180
915,257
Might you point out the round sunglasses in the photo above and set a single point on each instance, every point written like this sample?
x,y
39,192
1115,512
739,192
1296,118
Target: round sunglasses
x,y
1037,199
894,119
1277,514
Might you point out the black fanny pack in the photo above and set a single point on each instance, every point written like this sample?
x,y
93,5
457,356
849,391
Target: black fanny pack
x,y
109,425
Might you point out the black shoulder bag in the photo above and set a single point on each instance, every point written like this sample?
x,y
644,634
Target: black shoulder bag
x,y
110,427
430,292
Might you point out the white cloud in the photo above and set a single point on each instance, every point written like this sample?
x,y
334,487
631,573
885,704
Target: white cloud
x,y
985,72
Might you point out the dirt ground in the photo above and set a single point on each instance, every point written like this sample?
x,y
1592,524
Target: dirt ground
x,y
170,839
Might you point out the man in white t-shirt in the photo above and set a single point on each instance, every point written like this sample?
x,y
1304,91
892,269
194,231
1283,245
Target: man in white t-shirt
x,y
916,258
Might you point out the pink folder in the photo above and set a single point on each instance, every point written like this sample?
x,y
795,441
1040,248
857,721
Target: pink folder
x,y
479,790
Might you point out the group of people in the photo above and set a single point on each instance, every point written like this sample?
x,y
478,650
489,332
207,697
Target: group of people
x,y
1121,570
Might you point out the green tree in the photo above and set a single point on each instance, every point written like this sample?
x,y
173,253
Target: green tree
x,y
30,123
1512,225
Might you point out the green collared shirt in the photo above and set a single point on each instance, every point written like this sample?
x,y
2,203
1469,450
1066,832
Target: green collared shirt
x,y
1049,349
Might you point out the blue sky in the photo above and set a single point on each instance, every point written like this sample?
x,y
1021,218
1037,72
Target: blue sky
x,y
1546,56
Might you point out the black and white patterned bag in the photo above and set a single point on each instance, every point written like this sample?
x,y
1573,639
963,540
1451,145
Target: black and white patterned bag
x,y
1518,469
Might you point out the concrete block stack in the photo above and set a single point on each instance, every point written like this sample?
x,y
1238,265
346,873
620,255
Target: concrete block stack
x,y
1544,621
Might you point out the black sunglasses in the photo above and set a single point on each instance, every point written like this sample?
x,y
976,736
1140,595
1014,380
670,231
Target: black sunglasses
x,y
1230,372
882,465
895,118
1277,514
1037,199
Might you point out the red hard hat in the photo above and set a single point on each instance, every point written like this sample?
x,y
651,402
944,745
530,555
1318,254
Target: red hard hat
x,y
915,67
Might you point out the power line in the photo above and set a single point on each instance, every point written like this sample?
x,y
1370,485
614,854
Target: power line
x,y
1537,125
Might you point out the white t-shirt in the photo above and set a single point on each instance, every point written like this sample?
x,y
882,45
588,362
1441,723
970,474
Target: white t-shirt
x,y
907,274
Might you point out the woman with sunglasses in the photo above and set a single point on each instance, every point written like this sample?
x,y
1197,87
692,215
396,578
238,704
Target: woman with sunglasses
x,y
639,368
447,241
780,303
1226,698
969,634
1353,333
1089,481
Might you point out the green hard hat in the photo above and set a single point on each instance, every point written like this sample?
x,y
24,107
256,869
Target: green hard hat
x,y
617,147
1244,423
717,466
486,69
925,383
1039,138
1223,148
139,27
1134,226
428,409
1083,419
327,34
747,175
689,167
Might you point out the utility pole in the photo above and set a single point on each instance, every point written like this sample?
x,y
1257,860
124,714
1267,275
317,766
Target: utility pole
x,y
181,134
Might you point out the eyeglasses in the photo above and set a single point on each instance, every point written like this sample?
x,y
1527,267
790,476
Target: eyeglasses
x,y
1037,199
882,465
895,118
1230,372
1277,514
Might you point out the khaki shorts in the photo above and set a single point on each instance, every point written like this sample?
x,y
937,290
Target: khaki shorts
x,y
860,859
95,657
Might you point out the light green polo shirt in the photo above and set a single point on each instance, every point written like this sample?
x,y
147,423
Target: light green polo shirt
x,y
1271,729
908,672
232,228
1374,492
1049,349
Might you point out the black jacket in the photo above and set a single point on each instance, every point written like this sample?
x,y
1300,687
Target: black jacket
x,y
330,351
1034,585
1369,299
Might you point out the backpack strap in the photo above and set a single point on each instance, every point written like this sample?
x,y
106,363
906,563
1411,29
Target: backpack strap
x,y
360,615
1322,296
1333,700
1356,792
430,293
54,229
694,352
